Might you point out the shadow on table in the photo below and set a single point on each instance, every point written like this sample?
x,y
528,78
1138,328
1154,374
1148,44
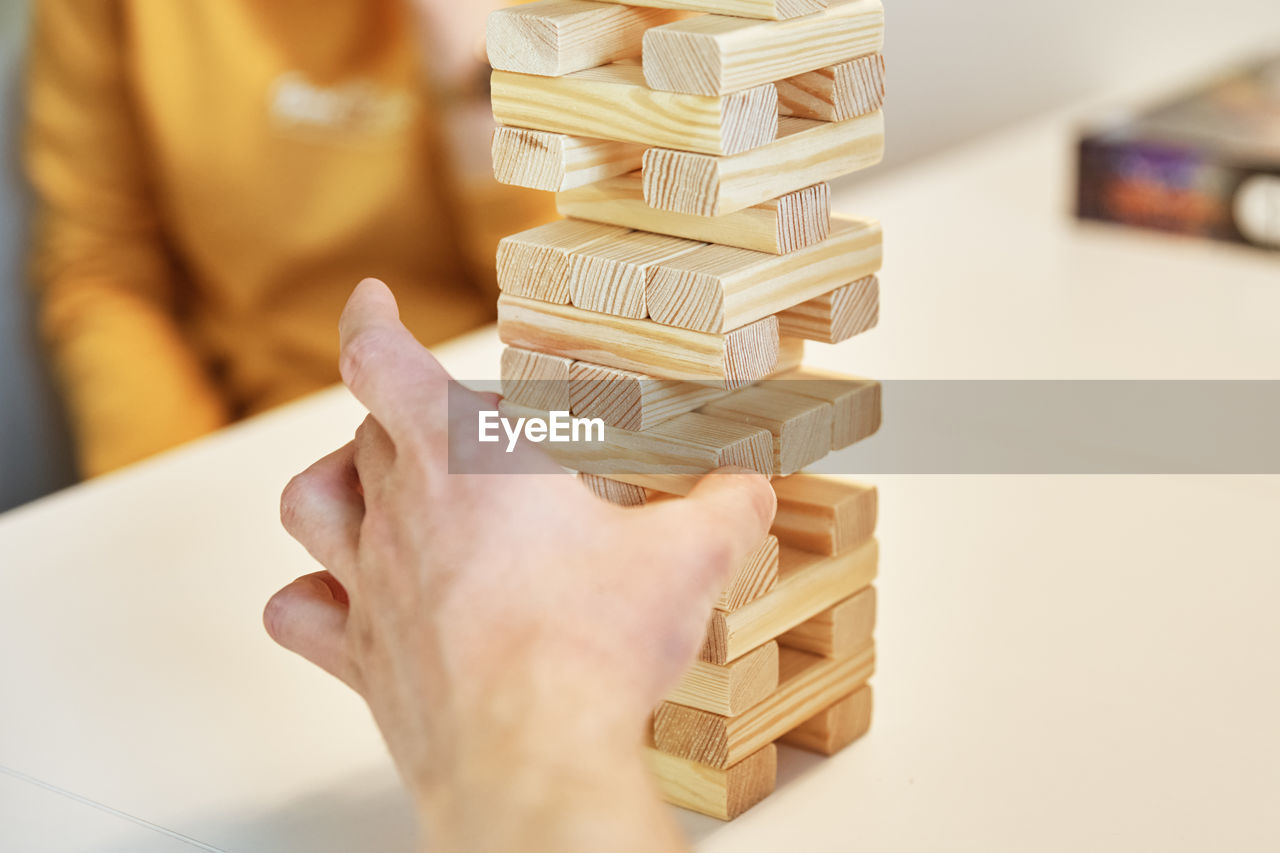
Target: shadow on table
x,y
371,811
367,812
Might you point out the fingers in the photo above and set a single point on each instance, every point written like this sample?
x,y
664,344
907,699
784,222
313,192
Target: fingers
x,y
375,456
388,371
309,619
322,509
731,510
489,399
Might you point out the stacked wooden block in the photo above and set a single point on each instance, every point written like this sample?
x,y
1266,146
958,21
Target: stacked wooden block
x,y
690,143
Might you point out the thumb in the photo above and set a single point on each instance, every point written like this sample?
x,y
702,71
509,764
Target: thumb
x,y
735,506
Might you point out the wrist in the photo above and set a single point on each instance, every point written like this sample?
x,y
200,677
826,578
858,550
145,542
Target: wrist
x,y
557,753
567,784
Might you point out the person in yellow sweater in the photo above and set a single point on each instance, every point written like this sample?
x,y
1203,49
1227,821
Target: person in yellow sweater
x,y
214,176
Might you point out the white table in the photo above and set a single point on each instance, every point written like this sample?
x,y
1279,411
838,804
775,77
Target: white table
x,y
1065,663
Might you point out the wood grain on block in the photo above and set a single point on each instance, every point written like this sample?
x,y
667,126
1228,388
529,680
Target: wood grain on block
x,y
715,54
773,10
790,355
630,400
835,317
857,402
721,794
730,361
554,161
823,515
809,685
618,494
611,277
758,575
535,264
837,93
836,728
805,153
800,426
729,689
557,37
689,446
536,379
839,631
612,102
778,226
807,585
719,288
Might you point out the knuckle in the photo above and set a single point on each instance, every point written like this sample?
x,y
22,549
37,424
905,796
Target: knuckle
x,y
293,502
275,618
360,354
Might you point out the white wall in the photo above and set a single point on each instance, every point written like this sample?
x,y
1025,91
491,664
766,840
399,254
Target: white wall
x,y
957,69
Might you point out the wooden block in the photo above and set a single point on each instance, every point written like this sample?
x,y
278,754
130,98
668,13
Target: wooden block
x,y
773,10
718,288
805,153
778,226
611,277
758,575
823,515
689,446
714,54
838,93
618,494
830,731
554,162
807,585
731,689
721,794
557,37
730,361
837,316
536,379
535,264
790,355
839,631
809,684
857,402
612,102
630,400
800,426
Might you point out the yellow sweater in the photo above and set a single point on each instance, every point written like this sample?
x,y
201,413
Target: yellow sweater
x,y
214,176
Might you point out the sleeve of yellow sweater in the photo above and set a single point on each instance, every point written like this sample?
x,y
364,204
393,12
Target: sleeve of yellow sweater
x,y
108,291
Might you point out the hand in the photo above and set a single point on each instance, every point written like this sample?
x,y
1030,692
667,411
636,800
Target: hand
x,y
510,632
453,34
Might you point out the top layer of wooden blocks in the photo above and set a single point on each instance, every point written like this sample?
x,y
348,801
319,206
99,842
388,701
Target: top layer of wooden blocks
x,y
774,10
716,54
740,45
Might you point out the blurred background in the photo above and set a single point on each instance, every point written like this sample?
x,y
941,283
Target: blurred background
x,y
957,71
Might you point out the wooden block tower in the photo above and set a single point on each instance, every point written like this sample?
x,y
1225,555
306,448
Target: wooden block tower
x,y
690,144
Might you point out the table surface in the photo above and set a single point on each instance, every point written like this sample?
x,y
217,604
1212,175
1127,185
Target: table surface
x,y
1065,663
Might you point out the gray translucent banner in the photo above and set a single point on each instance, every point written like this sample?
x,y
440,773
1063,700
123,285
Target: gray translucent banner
x,y
1002,427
